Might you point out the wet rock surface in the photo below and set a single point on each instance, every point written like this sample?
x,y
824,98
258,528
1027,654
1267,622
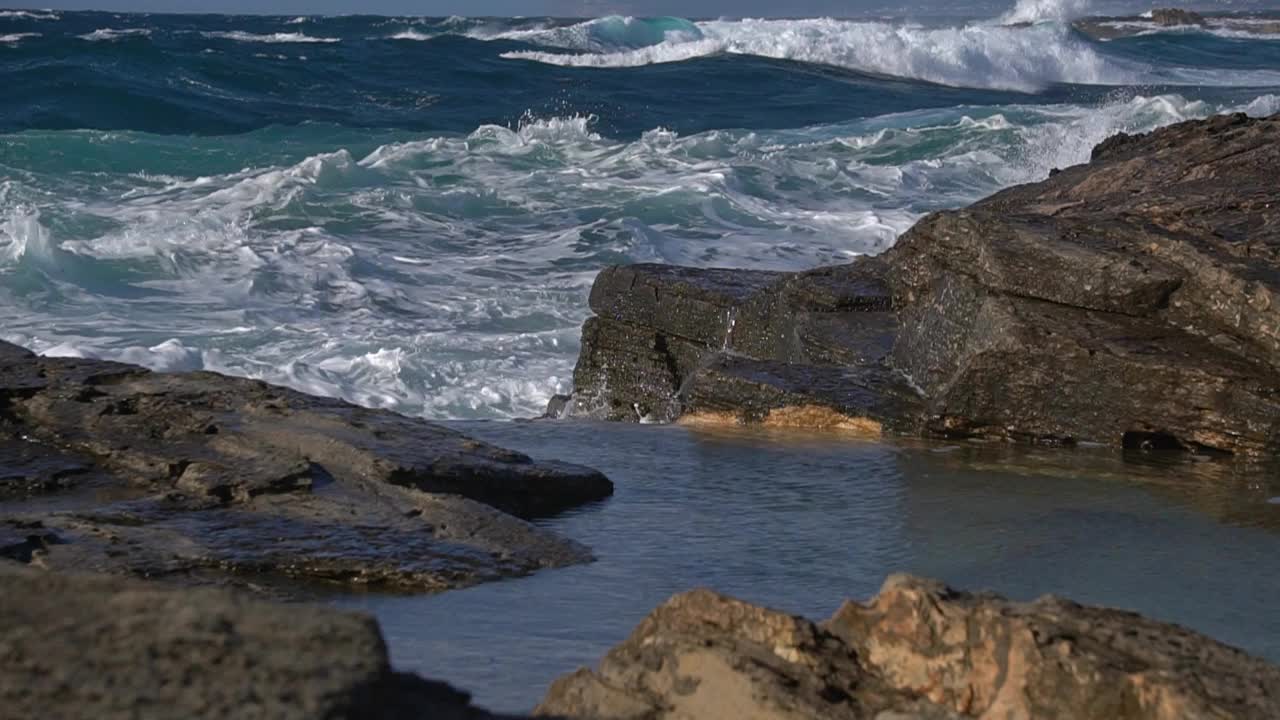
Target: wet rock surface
x,y
1131,301
1173,17
205,478
76,646
918,650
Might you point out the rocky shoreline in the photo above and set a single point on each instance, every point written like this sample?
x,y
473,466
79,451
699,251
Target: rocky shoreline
x,y
1131,302
201,478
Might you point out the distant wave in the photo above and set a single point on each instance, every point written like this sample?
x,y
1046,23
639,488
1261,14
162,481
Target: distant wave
x,y
28,15
412,35
16,38
1006,58
296,37
112,34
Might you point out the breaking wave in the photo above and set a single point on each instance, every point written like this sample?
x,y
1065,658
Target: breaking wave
x,y
280,37
447,275
981,56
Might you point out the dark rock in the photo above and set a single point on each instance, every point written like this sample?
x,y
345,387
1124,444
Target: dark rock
x,y
1175,17
201,477
99,647
1133,302
665,338
1127,298
918,650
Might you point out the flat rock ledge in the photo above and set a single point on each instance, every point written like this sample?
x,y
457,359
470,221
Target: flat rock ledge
x,y
1133,301
203,478
917,651
109,648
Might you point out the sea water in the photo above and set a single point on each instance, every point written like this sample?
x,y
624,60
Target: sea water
x,y
408,212
801,523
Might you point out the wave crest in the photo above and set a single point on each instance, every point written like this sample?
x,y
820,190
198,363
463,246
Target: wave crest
x,y
294,37
1005,58
1034,11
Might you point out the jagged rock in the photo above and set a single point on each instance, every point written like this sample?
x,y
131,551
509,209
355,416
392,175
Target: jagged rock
x,y
671,342
918,650
202,477
1133,301
100,647
1130,300
1176,17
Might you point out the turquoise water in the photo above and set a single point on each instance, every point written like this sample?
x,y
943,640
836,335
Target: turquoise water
x,y
408,212
800,524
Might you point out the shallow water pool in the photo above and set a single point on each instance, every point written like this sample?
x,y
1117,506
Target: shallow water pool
x,y
802,523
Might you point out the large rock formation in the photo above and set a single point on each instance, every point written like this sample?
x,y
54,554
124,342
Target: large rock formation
x,y
1176,17
105,648
918,651
1133,301
206,478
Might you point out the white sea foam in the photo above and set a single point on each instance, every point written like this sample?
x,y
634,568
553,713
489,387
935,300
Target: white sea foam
x,y
447,276
23,236
295,37
112,34
1034,11
412,35
15,38
29,15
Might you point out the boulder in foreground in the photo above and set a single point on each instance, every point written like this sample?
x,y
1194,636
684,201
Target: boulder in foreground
x,y
99,647
920,651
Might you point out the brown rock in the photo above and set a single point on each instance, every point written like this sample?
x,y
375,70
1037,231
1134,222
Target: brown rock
x,y
1175,17
1131,302
917,650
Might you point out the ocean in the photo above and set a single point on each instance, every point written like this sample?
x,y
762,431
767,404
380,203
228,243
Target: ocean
x,y
408,212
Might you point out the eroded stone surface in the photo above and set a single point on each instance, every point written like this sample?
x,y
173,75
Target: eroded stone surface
x,y
917,650
99,647
202,477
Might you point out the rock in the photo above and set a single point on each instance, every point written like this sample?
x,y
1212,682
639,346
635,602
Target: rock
x,y
1176,17
105,648
917,650
1126,302
1133,302
205,478
737,345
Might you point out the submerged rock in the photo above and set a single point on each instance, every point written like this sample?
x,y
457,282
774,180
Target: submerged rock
x,y
918,650
99,647
201,477
1133,301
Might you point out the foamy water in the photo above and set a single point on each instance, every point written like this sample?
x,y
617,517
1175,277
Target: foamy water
x,y
408,213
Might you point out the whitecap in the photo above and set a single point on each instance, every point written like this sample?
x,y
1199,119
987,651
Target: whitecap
x,y
112,34
1034,11
15,38
29,15
411,35
295,37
